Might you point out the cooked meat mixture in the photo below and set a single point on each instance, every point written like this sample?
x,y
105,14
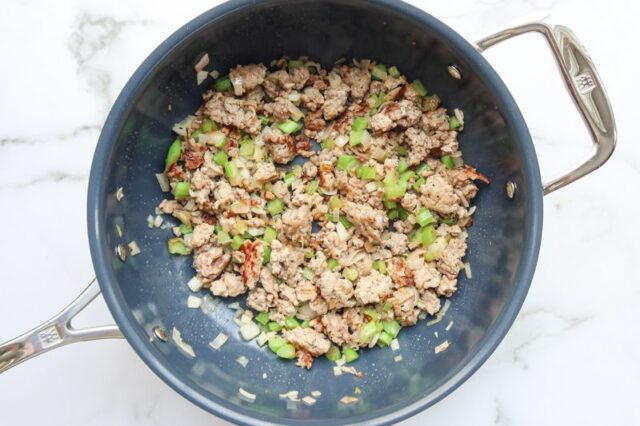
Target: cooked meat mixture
x,y
336,200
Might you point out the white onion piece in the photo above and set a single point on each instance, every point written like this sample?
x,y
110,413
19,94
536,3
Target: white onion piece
x,y
460,116
201,76
202,62
467,270
397,358
395,345
242,360
163,181
209,304
133,248
366,140
181,344
195,284
334,80
305,312
295,112
181,127
343,234
440,313
194,302
263,338
341,140
291,395
234,305
371,186
220,340
247,396
215,74
294,96
158,221
337,371
249,331
316,393
308,400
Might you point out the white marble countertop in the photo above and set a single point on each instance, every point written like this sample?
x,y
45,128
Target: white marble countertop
x,y
573,355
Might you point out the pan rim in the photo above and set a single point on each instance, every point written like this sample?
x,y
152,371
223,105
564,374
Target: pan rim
x,y
100,253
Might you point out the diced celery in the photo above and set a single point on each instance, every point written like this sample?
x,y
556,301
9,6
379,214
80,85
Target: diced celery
x,y
334,353
294,63
422,167
328,144
218,139
266,256
275,206
237,242
289,179
270,234
312,186
181,190
454,123
287,351
350,354
178,246
289,126
274,326
401,150
335,203
379,72
173,155
223,83
367,332
403,214
392,327
424,216
394,72
220,158
418,183
419,87
427,235
276,342
386,307
263,120
247,148
447,160
359,123
392,214
346,162
380,266
345,222
332,264
307,274
366,172
263,318
384,339
350,273
403,166
223,238
185,229
208,126
290,323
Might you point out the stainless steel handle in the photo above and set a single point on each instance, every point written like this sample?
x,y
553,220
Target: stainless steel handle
x,y
55,333
584,86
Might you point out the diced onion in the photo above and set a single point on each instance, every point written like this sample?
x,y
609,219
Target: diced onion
x,y
341,140
247,396
305,312
119,194
163,181
442,347
308,400
242,360
395,345
201,76
202,62
209,304
181,127
397,358
263,338
195,284
296,114
467,270
249,331
220,340
346,400
366,139
371,186
316,393
334,80
158,221
294,96
234,305
194,302
240,207
337,371
185,347
415,259
215,74
133,248
343,234
448,327
291,395
119,230
459,115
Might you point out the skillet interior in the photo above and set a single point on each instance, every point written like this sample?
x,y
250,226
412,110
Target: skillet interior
x,y
149,289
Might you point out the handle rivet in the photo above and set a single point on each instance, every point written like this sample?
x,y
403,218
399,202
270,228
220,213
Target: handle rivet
x,y
454,72
511,189
159,333
121,251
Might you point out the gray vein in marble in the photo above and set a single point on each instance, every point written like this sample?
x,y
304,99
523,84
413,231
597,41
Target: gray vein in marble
x,y
90,36
59,137
500,418
49,177
568,323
